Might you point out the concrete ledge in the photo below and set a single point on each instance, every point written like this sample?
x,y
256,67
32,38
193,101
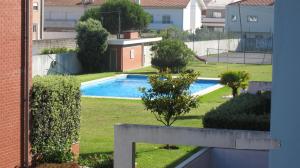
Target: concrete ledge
x,y
127,134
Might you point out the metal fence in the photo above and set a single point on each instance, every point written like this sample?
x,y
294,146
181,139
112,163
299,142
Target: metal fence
x,y
225,56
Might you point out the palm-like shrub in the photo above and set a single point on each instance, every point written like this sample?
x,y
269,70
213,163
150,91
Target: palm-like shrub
x,y
235,80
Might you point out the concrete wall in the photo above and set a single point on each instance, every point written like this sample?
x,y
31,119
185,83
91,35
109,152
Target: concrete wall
x,y
147,55
126,135
200,47
254,87
39,45
265,15
55,64
227,158
285,93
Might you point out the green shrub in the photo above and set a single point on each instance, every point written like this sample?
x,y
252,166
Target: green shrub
x,y
55,109
245,112
171,54
92,43
169,96
235,80
96,161
58,50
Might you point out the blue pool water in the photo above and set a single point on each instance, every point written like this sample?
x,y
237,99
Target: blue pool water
x,y
128,87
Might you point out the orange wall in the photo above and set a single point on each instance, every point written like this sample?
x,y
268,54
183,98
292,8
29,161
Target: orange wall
x,y
132,63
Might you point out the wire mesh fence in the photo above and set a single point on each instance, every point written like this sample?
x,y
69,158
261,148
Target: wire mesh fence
x,y
225,56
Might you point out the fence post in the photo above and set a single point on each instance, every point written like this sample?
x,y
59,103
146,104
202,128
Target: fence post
x,y
219,47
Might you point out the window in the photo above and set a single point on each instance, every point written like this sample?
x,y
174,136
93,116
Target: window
x,y
252,19
152,19
132,54
166,19
233,18
34,28
217,14
35,6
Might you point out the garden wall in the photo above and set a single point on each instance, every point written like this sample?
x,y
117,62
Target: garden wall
x,y
201,47
39,45
55,64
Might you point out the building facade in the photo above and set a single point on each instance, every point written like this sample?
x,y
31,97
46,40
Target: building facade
x,y
183,14
14,63
214,16
37,19
254,17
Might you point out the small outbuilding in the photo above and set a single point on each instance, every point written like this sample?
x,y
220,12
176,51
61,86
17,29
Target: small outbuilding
x,y
128,53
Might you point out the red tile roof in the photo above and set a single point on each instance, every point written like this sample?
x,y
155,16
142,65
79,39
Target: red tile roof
x,y
144,3
255,2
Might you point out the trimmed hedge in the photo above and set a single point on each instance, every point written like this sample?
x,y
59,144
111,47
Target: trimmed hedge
x,y
58,50
244,112
55,109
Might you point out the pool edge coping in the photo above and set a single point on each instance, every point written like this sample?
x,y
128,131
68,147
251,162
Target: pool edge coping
x,y
200,93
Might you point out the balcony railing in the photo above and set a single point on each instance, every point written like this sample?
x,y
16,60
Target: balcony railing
x,y
126,135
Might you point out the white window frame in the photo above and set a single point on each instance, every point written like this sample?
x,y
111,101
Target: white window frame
x,y
166,19
217,14
233,18
35,28
252,18
35,6
132,54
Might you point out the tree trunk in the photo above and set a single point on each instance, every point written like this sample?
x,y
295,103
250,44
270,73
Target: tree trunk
x,y
234,92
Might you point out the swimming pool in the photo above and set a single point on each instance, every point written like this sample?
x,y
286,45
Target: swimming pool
x,y
127,86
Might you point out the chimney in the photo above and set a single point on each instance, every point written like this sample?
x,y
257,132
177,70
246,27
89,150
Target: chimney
x,y
131,34
138,2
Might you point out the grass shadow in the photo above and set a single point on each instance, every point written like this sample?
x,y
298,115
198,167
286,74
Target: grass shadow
x,y
143,73
89,155
180,160
189,117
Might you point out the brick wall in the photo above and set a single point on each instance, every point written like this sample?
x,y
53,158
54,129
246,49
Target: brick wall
x,y
134,62
10,82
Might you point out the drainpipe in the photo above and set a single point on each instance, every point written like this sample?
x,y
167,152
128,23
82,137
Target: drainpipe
x,y
25,73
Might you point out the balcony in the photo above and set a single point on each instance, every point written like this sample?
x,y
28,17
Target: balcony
x,y
211,21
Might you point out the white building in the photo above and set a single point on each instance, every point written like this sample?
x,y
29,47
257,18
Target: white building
x,y
213,17
184,14
250,16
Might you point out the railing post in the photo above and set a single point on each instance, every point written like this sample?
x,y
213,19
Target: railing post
x,y
124,149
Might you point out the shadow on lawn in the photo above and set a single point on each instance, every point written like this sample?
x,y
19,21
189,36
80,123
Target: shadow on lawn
x,y
180,160
141,73
89,155
190,117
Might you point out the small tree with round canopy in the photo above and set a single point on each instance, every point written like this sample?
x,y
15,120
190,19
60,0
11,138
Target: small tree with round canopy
x,y
235,80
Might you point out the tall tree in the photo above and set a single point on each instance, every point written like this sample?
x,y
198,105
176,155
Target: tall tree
x,y
92,43
132,15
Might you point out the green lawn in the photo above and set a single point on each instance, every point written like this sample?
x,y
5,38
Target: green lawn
x,y
258,72
99,116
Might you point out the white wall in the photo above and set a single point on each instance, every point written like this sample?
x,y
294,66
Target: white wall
x,y
62,16
265,16
285,113
200,47
157,14
192,16
55,64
